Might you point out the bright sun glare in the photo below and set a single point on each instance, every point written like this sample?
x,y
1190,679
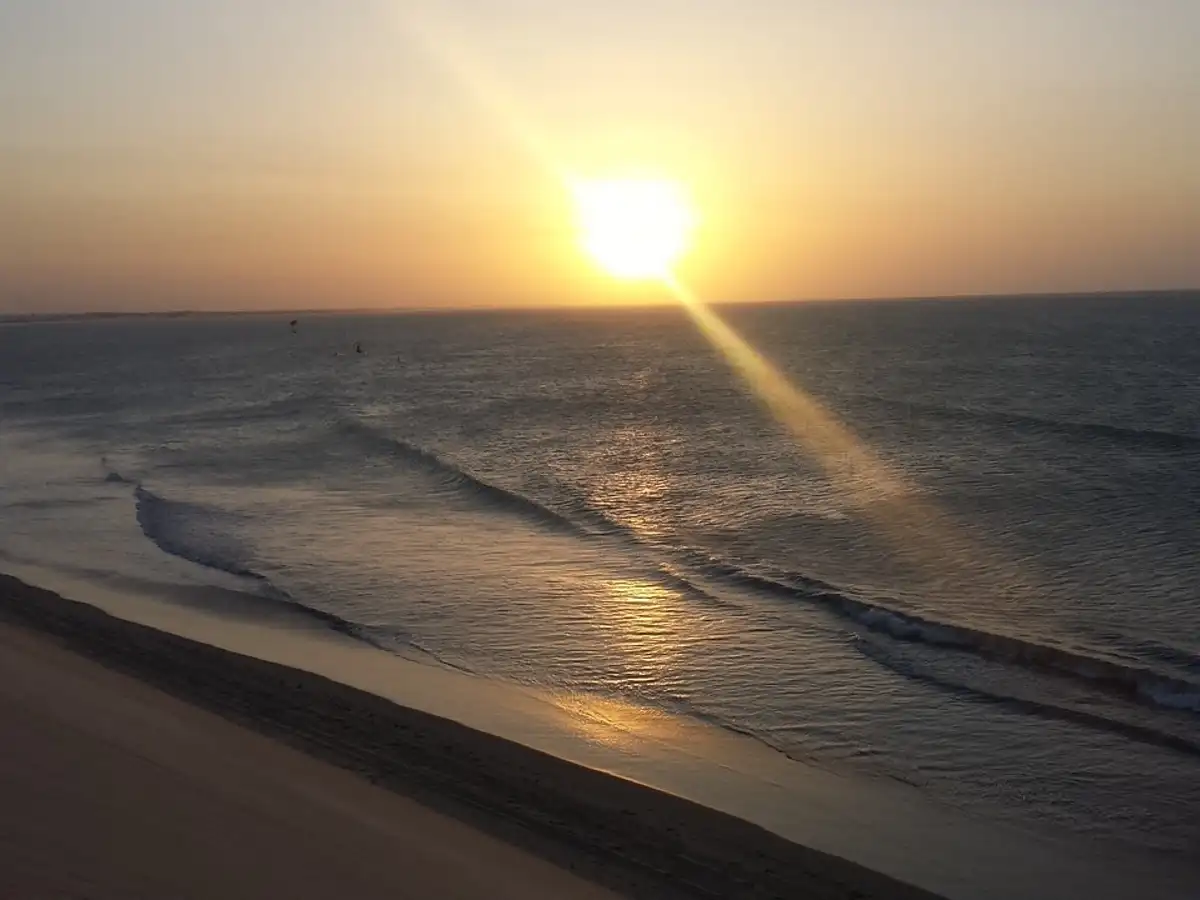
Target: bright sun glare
x,y
634,227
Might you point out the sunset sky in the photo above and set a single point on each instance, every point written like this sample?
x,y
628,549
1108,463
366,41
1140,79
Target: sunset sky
x,y
308,153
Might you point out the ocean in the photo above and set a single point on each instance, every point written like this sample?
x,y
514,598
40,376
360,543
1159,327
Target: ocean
x,y
593,503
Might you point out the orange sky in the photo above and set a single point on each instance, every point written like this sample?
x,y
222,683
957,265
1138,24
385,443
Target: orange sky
x,y
311,153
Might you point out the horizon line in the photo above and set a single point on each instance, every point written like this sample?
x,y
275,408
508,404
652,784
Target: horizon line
x,y
15,317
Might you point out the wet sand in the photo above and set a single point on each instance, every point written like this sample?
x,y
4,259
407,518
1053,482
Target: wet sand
x,y
140,763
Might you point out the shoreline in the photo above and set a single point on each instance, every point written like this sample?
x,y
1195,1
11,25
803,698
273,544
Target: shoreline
x,y
881,825
616,833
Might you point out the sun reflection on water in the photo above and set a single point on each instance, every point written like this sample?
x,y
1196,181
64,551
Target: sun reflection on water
x,y
647,623
633,486
619,724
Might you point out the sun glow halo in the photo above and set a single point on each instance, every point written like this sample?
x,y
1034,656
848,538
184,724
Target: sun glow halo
x,y
634,227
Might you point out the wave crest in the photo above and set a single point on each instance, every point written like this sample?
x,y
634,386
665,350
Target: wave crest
x,y
1137,683
1171,441
460,479
170,525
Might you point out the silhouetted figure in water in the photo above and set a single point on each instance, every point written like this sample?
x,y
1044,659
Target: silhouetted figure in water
x,y
358,347
293,323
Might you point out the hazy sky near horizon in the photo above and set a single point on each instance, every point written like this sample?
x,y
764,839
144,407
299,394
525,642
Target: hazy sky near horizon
x,y
303,153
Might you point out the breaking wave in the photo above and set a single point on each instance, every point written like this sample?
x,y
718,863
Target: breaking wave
x,y
1137,683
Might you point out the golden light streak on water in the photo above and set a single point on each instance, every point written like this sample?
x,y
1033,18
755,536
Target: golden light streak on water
x,y
857,471
917,529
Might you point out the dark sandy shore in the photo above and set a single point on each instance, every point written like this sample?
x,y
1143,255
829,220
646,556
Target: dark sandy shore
x,y
170,738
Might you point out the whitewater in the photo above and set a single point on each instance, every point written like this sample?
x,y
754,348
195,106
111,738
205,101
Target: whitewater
x,y
590,503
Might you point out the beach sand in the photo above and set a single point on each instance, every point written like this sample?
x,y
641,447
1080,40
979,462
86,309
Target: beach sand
x,y
137,763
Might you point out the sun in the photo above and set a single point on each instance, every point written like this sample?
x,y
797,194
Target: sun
x,y
634,227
